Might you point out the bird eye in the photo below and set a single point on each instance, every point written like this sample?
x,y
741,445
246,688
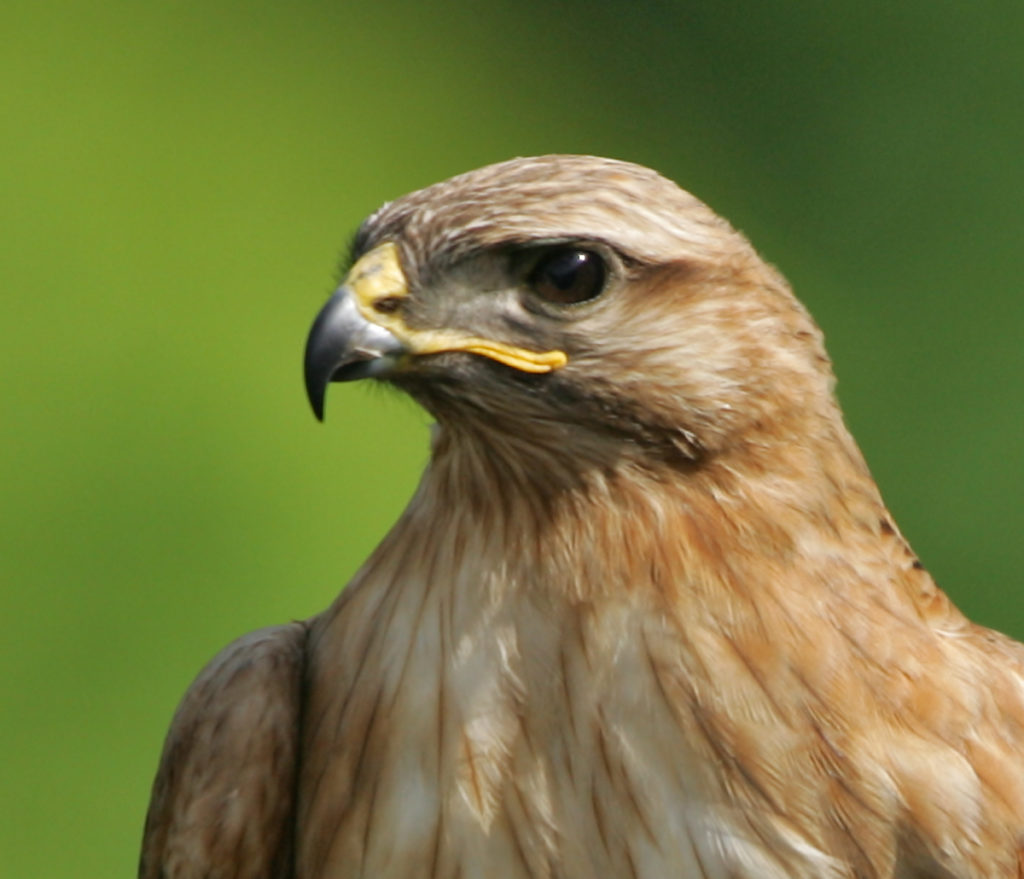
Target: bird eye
x,y
568,275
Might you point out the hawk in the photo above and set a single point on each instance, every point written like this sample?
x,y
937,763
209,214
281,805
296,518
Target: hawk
x,y
646,615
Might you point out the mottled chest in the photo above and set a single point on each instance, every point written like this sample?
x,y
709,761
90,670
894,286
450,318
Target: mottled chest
x,y
550,746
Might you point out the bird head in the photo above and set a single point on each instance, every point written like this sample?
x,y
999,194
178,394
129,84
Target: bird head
x,y
577,303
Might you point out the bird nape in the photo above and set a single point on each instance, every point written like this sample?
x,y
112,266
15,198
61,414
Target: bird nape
x,y
646,615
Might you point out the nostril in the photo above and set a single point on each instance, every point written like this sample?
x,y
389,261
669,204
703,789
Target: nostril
x,y
388,305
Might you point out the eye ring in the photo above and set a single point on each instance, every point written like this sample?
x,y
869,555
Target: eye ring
x,y
568,275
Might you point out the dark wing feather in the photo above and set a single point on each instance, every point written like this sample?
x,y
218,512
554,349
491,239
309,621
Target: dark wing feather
x,y
223,798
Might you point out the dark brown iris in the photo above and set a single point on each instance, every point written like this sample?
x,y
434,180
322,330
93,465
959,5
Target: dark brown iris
x,y
568,275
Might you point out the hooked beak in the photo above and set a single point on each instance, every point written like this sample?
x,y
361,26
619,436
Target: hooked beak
x,y
344,346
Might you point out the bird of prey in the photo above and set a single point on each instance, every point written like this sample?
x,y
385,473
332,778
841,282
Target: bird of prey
x,y
646,615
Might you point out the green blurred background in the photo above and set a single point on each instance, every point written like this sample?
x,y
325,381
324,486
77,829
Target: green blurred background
x,y
178,180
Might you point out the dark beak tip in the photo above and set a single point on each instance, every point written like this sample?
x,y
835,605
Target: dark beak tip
x,y
320,357
316,390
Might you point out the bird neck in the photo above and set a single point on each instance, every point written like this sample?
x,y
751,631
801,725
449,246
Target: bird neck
x,y
554,512
794,528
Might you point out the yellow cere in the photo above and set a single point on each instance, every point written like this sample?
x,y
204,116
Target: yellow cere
x,y
378,276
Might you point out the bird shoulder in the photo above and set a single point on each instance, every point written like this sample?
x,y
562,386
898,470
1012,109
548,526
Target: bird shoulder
x,y
224,791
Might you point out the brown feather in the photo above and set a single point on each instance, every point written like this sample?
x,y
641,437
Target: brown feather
x,y
223,798
646,616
